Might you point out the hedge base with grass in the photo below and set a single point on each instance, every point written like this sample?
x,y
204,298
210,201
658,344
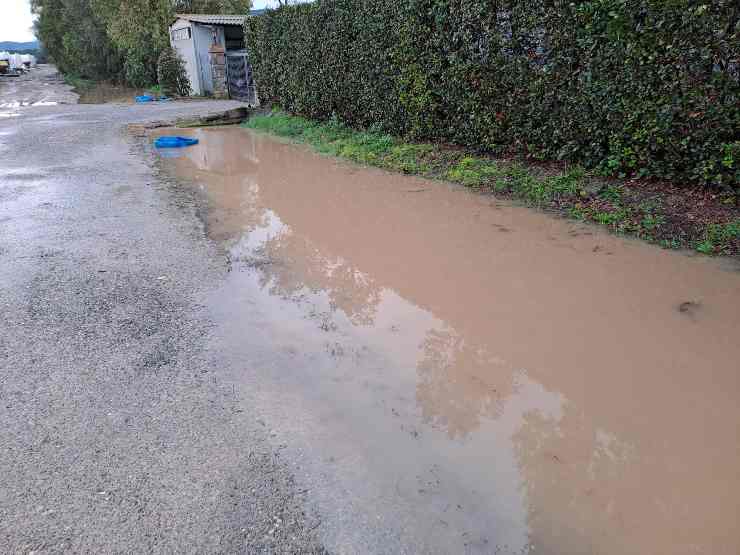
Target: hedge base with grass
x,y
650,213
644,88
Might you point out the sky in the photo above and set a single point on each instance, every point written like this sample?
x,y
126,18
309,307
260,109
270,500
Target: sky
x,y
15,21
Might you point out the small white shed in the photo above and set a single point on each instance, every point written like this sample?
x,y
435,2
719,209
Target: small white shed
x,y
193,35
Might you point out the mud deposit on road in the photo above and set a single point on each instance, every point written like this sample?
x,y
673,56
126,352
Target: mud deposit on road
x,y
103,93
474,376
42,86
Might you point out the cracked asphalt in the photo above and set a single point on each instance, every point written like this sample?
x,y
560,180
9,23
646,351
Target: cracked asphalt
x,y
119,433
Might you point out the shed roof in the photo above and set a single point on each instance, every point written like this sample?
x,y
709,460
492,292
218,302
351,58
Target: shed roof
x,y
215,19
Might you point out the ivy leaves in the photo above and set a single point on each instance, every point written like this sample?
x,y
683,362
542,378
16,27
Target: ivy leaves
x,y
631,87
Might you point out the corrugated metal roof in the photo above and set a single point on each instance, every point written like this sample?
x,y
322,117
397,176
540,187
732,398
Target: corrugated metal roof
x,y
213,19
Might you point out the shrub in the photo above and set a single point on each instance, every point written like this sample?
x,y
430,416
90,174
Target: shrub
x,y
630,87
171,74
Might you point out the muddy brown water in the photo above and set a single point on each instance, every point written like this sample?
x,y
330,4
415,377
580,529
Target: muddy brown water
x,y
518,382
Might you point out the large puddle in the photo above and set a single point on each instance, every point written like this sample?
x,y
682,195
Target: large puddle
x,y
501,379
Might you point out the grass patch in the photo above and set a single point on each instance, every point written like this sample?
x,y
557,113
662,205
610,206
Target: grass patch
x,y
99,92
80,84
334,139
719,237
475,172
571,192
611,193
281,124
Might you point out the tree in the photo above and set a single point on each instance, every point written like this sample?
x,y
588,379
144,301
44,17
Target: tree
x,y
140,29
171,74
75,37
231,7
115,39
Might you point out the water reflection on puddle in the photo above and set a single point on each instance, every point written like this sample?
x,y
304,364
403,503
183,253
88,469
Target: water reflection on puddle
x,y
19,104
492,370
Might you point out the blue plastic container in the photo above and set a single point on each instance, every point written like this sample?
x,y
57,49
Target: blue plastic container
x,y
174,142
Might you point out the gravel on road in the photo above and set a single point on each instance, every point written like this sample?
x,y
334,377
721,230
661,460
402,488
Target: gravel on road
x,y
119,433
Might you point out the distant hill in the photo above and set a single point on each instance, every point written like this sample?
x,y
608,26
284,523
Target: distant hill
x,y
10,45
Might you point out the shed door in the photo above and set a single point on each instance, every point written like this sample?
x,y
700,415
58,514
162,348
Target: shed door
x,y
205,72
203,40
239,77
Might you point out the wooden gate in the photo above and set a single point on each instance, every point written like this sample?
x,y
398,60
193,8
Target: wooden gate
x,y
239,78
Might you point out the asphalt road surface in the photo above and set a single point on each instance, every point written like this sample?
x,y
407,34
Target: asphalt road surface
x,y
245,347
118,434
40,87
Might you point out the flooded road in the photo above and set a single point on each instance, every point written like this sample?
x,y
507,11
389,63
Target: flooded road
x,y
456,374
118,432
42,86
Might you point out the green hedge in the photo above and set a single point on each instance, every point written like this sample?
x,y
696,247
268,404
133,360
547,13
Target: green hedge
x,y
631,87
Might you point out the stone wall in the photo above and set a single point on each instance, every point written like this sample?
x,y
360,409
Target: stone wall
x,y
218,71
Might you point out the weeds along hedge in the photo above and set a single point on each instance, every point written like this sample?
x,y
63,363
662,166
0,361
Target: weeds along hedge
x,y
631,87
